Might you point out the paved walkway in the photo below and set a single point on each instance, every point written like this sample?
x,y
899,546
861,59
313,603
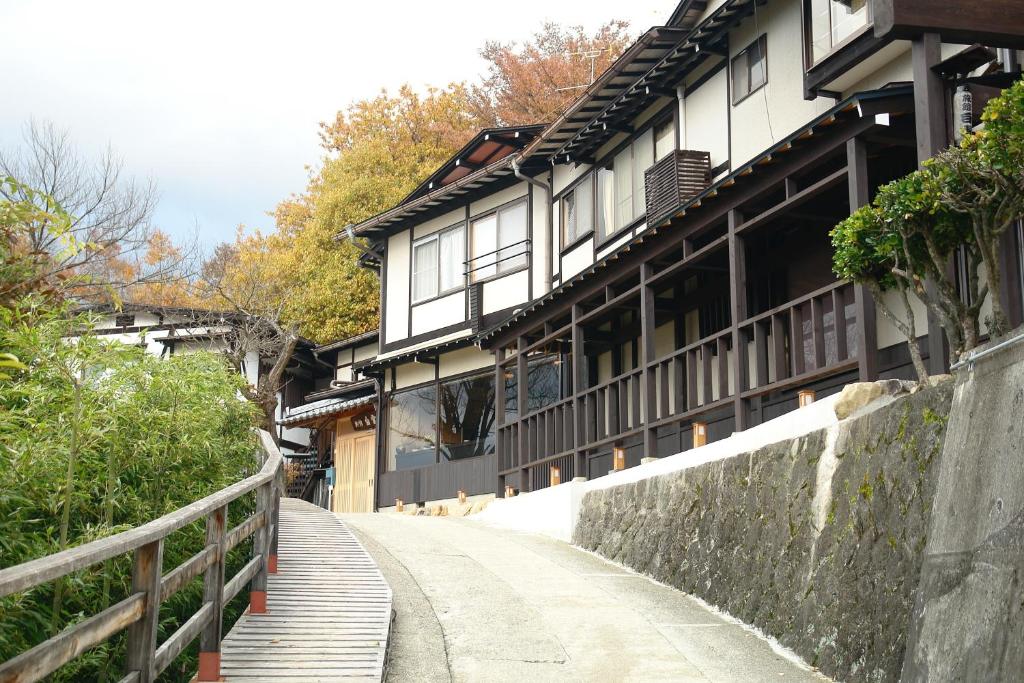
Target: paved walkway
x,y
328,609
474,603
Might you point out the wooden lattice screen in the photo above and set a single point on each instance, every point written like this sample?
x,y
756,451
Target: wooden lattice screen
x,y
675,179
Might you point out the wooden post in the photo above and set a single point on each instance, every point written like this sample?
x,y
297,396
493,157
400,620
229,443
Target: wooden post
x,y
261,548
930,124
579,385
276,519
499,417
522,384
647,355
738,297
867,332
146,574
213,592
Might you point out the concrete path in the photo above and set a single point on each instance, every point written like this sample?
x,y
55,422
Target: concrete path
x,y
475,603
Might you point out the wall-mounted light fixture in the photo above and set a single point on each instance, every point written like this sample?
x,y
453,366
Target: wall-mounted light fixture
x,y
805,397
509,492
700,434
462,497
618,458
399,505
556,475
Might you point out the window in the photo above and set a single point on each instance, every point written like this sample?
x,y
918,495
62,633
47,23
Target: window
x,y
467,417
830,23
578,211
749,69
438,263
412,428
547,382
499,242
620,185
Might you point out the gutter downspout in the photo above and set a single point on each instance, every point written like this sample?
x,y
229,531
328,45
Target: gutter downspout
x,y
361,247
548,227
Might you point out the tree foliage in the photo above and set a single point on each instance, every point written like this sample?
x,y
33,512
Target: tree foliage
x,y
962,200
536,81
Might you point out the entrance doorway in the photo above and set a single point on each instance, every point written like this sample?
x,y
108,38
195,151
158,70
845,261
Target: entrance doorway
x,y
354,473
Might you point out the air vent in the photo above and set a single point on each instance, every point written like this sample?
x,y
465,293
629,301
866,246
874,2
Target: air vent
x,y
674,180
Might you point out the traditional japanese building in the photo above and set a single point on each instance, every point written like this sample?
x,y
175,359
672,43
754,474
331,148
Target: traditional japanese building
x,y
656,262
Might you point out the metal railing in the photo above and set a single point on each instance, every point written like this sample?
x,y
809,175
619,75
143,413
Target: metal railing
x,y
139,613
523,251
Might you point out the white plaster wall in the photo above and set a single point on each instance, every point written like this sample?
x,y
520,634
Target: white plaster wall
x,y
578,259
396,312
441,312
498,198
538,246
887,332
609,247
565,174
465,360
705,119
779,107
439,222
361,353
413,373
506,292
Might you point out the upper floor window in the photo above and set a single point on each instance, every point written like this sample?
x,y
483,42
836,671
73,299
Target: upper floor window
x,y
578,211
749,69
620,185
499,242
437,263
830,23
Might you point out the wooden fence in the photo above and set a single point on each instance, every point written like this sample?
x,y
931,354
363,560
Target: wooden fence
x,y
139,612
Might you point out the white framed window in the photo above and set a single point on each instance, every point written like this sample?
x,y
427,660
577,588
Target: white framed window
x,y
438,263
499,242
621,197
578,211
830,23
750,69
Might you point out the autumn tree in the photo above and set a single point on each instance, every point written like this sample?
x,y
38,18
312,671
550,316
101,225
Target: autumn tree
x,y
536,81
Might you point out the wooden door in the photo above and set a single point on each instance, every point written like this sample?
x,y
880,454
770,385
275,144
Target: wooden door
x,y
342,474
363,474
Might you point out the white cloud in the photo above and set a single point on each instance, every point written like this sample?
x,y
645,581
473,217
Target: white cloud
x,y
219,101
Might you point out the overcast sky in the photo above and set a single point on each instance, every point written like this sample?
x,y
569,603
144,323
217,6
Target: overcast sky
x,y
219,102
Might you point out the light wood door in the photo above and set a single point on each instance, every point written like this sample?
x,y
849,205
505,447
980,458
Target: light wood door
x,y
363,474
354,474
343,474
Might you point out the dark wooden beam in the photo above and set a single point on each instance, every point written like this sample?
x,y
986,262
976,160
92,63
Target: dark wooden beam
x,y
522,382
867,333
649,388
738,302
930,121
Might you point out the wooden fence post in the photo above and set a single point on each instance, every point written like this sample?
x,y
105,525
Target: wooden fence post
x,y
275,518
213,593
261,548
147,570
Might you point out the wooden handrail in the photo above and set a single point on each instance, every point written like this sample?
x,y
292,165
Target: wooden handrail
x,y
139,613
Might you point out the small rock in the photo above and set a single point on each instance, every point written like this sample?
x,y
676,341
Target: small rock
x,y
855,396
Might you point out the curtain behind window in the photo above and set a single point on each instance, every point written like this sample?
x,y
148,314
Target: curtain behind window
x,y
452,256
424,270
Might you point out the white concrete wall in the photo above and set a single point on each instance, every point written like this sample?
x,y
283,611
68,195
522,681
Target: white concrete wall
x,y
704,116
413,373
465,360
440,222
577,260
438,313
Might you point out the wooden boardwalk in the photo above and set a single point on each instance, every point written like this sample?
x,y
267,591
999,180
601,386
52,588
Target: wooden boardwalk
x,y
328,609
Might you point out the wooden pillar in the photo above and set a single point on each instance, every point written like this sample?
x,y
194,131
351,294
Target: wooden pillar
x,y
213,593
261,548
579,385
648,379
738,299
867,332
146,575
522,375
499,418
930,124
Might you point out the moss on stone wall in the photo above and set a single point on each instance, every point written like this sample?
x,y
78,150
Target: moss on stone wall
x,y
817,541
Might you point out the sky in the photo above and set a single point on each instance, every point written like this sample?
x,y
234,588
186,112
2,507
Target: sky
x,y
219,101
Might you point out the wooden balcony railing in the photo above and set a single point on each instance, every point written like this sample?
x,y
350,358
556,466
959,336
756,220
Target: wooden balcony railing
x,y
801,341
139,613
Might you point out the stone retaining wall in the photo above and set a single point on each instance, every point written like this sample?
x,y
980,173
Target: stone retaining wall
x,y
817,541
